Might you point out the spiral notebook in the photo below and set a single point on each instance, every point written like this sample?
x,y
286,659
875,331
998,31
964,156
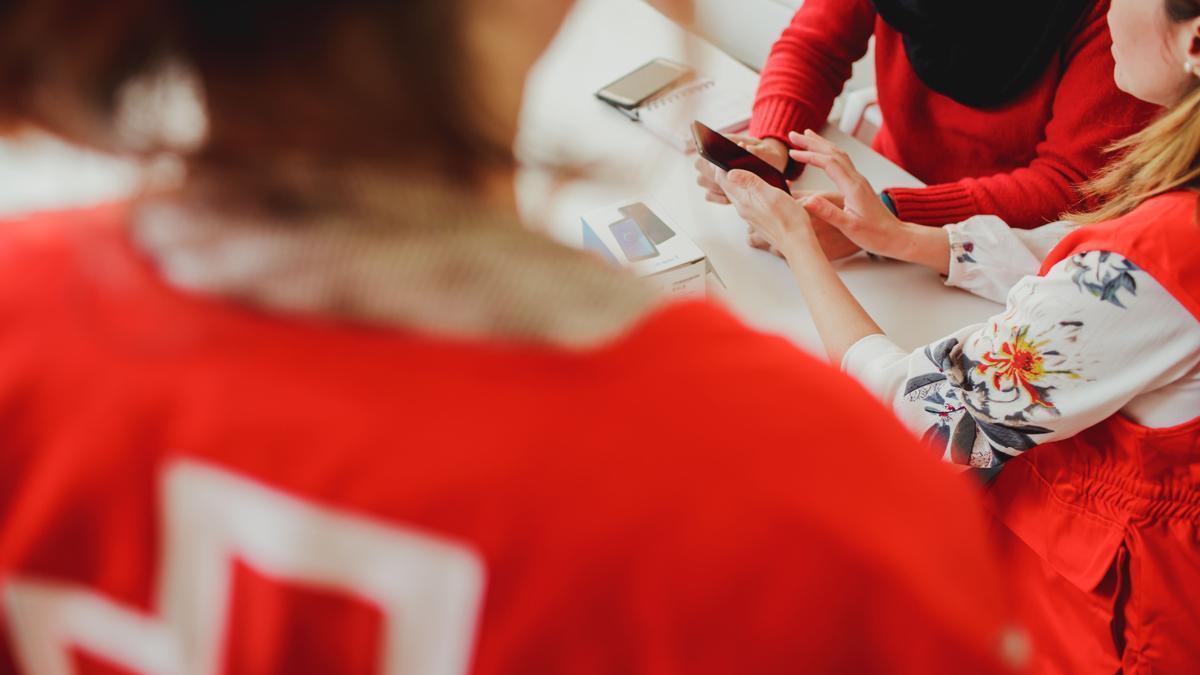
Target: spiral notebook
x,y
722,107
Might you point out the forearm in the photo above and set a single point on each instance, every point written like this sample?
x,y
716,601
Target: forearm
x,y
840,320
909,242
924,245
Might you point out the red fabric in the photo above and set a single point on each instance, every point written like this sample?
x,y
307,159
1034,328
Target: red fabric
x,y
1070,630
86,664
1156,236
1020,161
277,627
684,500
1105,526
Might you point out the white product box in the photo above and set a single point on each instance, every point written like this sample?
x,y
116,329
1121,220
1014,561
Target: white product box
x,y
639,236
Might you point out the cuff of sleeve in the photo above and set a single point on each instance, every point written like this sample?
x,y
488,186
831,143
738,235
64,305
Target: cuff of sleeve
x,y
960,266
864,357
870,361
934,205
775,117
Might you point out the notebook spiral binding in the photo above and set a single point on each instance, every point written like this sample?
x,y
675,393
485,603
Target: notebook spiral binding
x,y
678,94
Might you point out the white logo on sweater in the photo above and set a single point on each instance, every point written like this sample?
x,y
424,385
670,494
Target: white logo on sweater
x,y
428,590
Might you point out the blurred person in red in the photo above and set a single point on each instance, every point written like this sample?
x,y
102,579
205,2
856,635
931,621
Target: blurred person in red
x,y
329,407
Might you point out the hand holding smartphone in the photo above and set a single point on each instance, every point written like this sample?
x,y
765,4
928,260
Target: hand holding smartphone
x,y
728,156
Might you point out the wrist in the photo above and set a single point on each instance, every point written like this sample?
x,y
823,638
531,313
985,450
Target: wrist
x,y
910,243
779,153
925,245
800,242
776,145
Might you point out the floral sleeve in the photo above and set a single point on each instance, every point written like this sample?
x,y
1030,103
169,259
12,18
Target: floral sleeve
x,y
1071,349
988,258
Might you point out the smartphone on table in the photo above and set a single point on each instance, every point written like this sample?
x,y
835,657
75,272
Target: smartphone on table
x,y
644,83
633,241
727,155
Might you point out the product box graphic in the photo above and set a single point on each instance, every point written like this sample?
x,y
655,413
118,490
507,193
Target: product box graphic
x,y
639,236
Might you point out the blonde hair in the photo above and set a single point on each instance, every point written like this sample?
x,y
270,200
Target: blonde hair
x,y
1163,157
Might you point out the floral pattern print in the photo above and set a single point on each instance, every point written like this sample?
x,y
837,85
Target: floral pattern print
x,y
960,397
962,252
1104,278
1094,336
1021,363
1000,256
993,394
951,426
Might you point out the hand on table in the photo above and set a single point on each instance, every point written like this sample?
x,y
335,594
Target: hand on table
x,y
783,222
770,150
835,244
777,220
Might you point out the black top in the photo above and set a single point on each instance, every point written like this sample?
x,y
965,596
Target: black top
x,y
982,54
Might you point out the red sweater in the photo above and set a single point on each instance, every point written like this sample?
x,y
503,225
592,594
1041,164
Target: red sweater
x,y
1021,161
183,477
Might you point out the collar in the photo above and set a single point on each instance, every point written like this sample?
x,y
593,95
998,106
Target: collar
x,y
432,260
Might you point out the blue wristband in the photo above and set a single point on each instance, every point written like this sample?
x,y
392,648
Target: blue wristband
x,y
891,206
887,201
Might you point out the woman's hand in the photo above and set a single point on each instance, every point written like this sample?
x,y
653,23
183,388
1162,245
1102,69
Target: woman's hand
x,y
862,216
770,150
776,219
759,243
835,244
782,221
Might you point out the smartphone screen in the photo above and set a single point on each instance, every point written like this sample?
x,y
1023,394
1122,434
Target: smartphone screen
x,y
633,241
728,155
641,84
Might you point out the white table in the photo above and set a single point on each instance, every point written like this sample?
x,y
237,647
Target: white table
x,y
602,40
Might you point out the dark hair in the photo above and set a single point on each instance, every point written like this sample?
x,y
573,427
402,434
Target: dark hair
x,y
331,80
1182,10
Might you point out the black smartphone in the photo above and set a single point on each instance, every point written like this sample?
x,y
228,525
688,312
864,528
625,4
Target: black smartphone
x,y
727,155
635,88
651,224
633,241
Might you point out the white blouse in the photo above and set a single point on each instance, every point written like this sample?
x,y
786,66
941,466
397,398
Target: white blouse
x,y
1095,336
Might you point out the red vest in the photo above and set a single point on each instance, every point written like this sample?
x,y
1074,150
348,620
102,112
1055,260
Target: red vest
x,y
1115,511
185,481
